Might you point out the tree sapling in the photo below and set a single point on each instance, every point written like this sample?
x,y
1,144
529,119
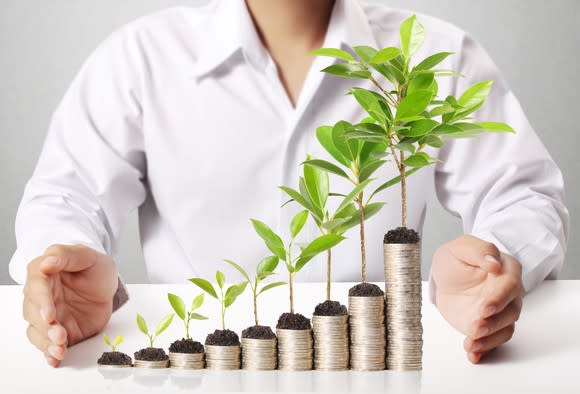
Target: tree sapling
x,y
186,353
114,358
152,357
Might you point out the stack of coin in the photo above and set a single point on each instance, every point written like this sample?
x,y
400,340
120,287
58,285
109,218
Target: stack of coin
x,y
295,349
331,342
151,364
259,354
367,333
403,297
223,357
187,360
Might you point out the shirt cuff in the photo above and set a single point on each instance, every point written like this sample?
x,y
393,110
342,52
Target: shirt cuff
x,y
121,295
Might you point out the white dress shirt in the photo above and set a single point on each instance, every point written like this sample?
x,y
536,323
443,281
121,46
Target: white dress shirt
x,y
182,115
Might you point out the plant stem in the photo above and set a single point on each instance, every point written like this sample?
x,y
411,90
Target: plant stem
x,y
151,340
290,284
187,327
403,191
328,267
387,94
255,306
363,253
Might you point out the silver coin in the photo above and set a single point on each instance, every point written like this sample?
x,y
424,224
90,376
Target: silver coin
x,y
151,364
295,349
259,354
367,333
223,357
331,343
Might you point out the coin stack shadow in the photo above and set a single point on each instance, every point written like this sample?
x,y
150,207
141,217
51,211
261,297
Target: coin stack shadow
x,y
295,351
259,354
331,342
403,298
187,360
367,333
223,357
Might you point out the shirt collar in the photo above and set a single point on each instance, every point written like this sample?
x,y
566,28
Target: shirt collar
x,y
231,30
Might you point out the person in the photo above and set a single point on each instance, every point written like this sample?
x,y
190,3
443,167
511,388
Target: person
x,y
193,116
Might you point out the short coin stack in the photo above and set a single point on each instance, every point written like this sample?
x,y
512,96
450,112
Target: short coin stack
x,y
151,364
223,357
403,297
187,360
259,354
331,342
295,349
367,333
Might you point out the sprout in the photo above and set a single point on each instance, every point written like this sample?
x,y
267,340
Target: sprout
x,y
114,345
181,311
162,326
225,299
264,269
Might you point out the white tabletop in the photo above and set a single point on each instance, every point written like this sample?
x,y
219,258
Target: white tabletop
x,y
544,355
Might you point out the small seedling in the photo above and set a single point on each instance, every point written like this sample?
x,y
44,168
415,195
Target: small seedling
x,y
181,311
264,269
285,251
162,326
225,299
113,344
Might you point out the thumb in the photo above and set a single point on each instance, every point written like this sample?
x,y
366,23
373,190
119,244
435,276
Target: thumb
x,y
65,258
478,253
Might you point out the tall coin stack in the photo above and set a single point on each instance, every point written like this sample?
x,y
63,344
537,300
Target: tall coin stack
x,y
331,342
259,354
403,297
295,349
367,333
223,357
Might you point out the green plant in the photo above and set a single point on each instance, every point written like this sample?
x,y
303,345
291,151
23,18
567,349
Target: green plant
x,y
114,345
225,299
314,192
264,269
162,326
183,313
407,116
285,251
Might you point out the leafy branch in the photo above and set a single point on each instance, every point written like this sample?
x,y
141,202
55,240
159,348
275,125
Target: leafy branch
x,y
162,326
113,344
183,313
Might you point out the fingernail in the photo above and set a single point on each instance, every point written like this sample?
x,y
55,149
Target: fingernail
x,y
50,260
54,351
492,259
476,346
483,331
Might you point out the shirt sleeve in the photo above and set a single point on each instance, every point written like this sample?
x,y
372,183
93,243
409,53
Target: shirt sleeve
x,y
506,188
90,173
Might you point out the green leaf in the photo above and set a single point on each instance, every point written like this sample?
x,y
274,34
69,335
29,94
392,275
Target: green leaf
x,y
205,286
333,52
421,82
393,74
317,185
370,103
417,160
233,292
393,181
369,169
496,127
197,301
327,166
349,149
412,36
107,340
118,340
271,286
316,212
271,239
447,129
366,53
142,324
385,55
406,146
220,279
366,137
419,128
163,324
178,305
475,95
324,136
197,316
297,223
369,211
441,110
352,195
432,61
320,244
267,265
434,141
239,269
348,70
302,200
414,104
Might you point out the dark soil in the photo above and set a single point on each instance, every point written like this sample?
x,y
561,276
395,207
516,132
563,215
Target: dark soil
x,y
114,358
365,290
151,354
186,346
223,338
402,235
293,321
258,332
330,308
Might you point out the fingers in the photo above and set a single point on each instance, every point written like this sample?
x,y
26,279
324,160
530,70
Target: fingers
x,y
38,292
68,259
503,290
476,252
44,344
509,315
490,342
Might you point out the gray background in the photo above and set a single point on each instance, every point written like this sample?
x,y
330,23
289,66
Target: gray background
x,y
43,43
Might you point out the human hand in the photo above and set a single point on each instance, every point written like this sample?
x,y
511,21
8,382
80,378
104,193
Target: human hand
x,y
68,297
479,291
